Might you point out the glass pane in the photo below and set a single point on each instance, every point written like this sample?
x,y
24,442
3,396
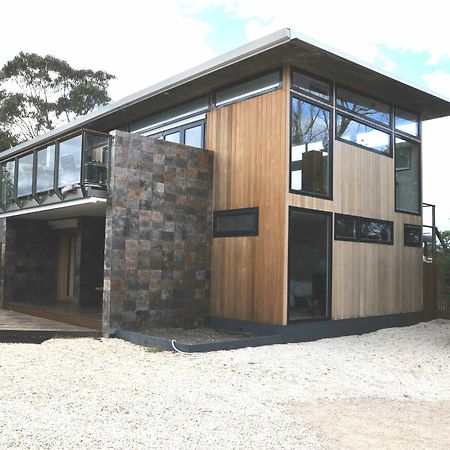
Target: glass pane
x,y
25,176
173,137
45,169
407,122
96,160
346,227
311,86
69,162
375,230
363,106
310,148
248,89
308,265
8,170
235,223
407,176
361,134
193,136
413,235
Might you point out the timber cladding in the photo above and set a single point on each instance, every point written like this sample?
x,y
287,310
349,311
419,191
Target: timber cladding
x,y
249,141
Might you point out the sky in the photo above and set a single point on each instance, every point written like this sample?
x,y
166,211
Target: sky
x,y
143,42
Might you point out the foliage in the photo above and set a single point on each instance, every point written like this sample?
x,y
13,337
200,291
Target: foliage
x,y
443,266
38,93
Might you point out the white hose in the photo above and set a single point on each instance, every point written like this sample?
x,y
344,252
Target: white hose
x,y
177,350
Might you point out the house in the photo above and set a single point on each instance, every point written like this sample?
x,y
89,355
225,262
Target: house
x,y
277,186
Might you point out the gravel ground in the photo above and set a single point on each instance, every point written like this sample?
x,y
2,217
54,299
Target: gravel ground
x,y
348,392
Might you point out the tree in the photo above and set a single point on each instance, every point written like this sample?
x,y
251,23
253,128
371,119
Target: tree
x,y
38,93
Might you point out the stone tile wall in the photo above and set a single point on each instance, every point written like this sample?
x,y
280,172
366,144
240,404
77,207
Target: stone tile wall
x,y
158,235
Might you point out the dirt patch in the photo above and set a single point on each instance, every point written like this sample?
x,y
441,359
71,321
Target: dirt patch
x,y
378,423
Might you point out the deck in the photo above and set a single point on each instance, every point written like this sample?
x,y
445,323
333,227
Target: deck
x,y
19,327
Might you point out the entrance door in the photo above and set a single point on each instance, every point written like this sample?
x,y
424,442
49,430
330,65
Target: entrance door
x,y
309,264
67,242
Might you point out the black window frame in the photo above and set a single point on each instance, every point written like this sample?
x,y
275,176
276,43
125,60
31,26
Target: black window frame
x,y
404,133
328,108
343,238
355,118
407,243
370,241
181,129
254,211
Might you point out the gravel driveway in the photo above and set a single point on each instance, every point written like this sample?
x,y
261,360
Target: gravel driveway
x,y
389,389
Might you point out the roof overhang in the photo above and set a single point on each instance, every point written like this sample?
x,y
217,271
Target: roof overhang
x,y
261,55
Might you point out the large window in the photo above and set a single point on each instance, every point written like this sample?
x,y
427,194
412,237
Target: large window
x,y
69,161
45,169
7,187
309,264
407,176
310,148
25,176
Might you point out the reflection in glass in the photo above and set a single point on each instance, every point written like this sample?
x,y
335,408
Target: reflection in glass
x,y
308,265
310,148
346,227
8,171
173,137
45,169
193,136
407,122
364,106
69,162
96,159
376,230
312,86
413,235
407,176
25,176
242,222
361,134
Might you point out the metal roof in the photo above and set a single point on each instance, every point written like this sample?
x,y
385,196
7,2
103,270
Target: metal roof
x,y
247,60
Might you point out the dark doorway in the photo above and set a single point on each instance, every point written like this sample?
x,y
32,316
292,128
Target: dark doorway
x,y
309,292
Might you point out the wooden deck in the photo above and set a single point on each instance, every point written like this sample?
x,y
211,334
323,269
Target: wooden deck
x,y
19,327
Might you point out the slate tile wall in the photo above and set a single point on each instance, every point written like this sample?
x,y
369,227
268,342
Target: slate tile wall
x,y
157,235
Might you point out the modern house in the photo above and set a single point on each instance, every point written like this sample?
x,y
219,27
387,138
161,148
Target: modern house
x,y
275,186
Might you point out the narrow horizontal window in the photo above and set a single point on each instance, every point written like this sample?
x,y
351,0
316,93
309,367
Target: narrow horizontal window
x,y
191,134
236,222
346,228
311,86
363,135
407,122
413,235
248,89
363,106
378,231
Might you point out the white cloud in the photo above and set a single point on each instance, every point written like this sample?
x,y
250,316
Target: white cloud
x,y
438,81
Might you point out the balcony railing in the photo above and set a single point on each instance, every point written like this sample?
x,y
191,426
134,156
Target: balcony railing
x,y
74,166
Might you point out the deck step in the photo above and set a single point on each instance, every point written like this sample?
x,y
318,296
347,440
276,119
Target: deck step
x,y
39,311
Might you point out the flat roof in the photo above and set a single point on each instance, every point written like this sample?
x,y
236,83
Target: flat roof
x,y
260,55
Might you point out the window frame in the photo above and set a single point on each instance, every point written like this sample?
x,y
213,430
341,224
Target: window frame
x,y
233,213
328,108
417,138
342,238
300,92
407,243
181,129
370,241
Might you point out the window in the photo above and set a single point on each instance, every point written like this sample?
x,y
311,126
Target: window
x,y
407,176
69,161
45,169
248,89
378,231
412,235
363,229
236,222
7,186
25,176
346,228
310,148
311,86
363,106
188,134
354,132
406,122
96,159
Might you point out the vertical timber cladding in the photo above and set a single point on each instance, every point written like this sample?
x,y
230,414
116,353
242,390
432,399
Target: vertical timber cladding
x,y
369,279
249,142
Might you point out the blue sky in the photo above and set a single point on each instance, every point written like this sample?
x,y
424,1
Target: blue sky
x,y
143,42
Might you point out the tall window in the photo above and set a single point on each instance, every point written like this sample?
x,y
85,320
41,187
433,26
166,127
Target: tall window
x,y
310,148
407,176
